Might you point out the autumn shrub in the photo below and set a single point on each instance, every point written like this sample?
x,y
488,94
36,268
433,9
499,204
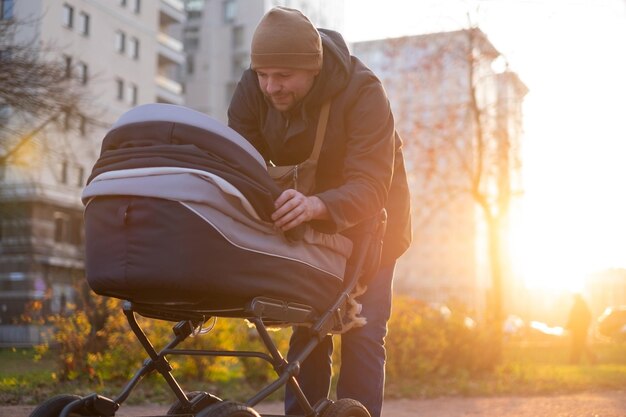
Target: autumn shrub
x,y
75,335
426,341
416,340
472,346
94,341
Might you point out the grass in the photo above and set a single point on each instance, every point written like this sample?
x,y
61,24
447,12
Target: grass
x,y
528,369
21,378
24,380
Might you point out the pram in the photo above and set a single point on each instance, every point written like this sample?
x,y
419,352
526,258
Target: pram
x,y
177,224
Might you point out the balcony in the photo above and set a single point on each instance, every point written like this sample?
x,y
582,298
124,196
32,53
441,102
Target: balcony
x,y
168,90
172,11
170,49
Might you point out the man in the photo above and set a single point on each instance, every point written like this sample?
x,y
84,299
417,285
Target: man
x,y
296,69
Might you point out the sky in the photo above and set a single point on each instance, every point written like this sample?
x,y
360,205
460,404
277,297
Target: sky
x,y
571,54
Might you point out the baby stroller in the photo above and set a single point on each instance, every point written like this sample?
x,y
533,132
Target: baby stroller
x,y
177,224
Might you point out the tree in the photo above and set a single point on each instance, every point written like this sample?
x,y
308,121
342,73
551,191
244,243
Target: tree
x,y
37,88
461,122
41,167
468,146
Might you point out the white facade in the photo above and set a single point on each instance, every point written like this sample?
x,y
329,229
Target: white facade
x,y
217,42
127,56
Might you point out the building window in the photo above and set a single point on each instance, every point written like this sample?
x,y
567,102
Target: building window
x,y
68,66
68,16
67,124
132,94
6,9
238,39
61,227
190,64
119,83
229,10
134,48
83,23
120,41
63,170
5,114
5,55
239,64
67,121
83,72
77,231
191,44
82,125
80,176
137,6
194,6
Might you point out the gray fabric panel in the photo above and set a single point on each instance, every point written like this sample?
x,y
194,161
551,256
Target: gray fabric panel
x,y
316,256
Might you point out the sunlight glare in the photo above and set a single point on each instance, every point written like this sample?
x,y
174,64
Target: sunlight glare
x,y
570,221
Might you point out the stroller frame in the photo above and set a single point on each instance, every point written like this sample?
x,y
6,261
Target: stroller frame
x,y
261,312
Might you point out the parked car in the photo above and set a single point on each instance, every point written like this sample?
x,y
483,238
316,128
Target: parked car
x,y
612,323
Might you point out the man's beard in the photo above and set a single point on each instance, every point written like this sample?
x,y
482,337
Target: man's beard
x,y
282,102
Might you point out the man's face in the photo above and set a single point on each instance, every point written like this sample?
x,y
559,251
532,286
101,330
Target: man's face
x,y
284,87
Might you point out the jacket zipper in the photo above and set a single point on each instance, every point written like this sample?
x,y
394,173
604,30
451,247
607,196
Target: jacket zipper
x,y
295,177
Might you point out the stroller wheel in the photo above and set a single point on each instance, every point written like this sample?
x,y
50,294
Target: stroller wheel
x,y
228,409
207,400
346,407
52,407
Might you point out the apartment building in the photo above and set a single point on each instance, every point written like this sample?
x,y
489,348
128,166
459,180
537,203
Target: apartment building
x,y
429,79
125,52
217,40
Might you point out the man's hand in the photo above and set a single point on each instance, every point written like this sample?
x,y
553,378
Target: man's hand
x,y
294,208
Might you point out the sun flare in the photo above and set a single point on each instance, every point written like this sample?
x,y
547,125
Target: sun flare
x,y
570,221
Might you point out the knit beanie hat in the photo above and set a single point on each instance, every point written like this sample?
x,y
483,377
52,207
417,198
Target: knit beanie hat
x,y
285,38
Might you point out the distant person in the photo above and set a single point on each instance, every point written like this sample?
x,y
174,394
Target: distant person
x,y
578,324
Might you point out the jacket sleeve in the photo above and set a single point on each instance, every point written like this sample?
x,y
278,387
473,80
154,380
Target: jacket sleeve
x,y
243,112
368,163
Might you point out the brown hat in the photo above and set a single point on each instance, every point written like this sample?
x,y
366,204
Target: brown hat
x,y
285,38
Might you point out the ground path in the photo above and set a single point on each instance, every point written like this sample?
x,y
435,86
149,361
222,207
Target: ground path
x,y
593,404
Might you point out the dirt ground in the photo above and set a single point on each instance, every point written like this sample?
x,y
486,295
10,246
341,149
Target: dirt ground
x,y
594,404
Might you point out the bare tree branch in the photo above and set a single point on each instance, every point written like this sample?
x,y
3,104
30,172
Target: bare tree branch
x,y
37,86
459,142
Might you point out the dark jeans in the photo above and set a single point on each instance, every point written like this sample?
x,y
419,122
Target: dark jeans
x,y
362,373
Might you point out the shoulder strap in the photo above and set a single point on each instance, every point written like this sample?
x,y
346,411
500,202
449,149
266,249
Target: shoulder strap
x,y
321,131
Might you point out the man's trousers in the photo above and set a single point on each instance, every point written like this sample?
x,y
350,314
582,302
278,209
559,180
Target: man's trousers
x,y
362,372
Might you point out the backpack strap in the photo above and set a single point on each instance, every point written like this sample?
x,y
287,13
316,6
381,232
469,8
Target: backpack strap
x,y
321,131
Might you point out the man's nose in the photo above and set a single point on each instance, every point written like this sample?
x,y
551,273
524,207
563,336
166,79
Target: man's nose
x,y
272,86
